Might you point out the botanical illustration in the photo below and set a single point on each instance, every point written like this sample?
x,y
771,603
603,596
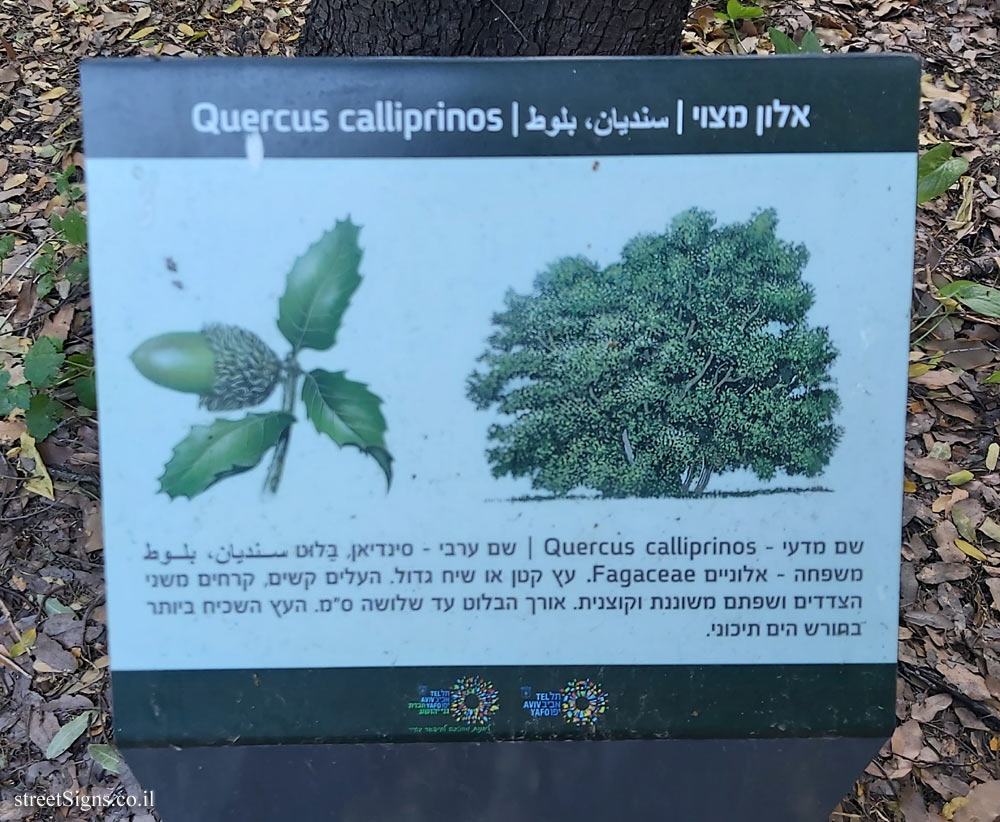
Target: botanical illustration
x,y
688,357
229,368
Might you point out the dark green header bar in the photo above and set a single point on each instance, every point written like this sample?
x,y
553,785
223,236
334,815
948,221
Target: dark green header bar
x,y
464,107
502,703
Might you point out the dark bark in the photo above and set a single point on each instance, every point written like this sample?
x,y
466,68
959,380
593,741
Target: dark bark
x,y
493,28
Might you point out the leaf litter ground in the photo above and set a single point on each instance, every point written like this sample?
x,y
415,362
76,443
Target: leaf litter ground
x,y
942,763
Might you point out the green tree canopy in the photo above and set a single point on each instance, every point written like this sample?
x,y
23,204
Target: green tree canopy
x,y
689,357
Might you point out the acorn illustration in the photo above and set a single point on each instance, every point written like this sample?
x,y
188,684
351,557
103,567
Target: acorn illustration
x,y
229,367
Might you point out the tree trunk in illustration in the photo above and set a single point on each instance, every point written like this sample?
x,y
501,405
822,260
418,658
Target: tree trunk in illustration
x,y
493,28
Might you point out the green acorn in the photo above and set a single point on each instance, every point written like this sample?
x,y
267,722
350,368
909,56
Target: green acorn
x,y
227,366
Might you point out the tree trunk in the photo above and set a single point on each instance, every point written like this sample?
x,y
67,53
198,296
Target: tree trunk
x,y
493,28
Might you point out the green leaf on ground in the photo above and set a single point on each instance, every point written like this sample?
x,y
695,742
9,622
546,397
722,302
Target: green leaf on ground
x,y
78,270
106,756
17,396
989,527
86,392
24,644
45,284
783,44
810,43
71,225
319,288
42,362
42,416
53,606
348,413
64,185
224,448
737,11
68,734
937,171
983,299
963,523
74,227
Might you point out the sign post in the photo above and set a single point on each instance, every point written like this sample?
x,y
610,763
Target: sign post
x,y
485,438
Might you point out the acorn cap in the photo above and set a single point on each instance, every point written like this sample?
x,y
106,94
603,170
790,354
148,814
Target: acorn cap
x,y
246,369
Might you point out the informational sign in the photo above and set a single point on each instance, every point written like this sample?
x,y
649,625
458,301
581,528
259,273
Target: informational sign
x,y
450,399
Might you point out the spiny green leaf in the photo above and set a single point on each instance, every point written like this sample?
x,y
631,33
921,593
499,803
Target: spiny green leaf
x,y
783,44
384,460
319,288
348,413
981,298
226,447
937,171
42,362
68,734
6,246
42,416
106,756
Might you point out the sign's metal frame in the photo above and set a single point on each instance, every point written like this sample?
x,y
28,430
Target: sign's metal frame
x,y
212,746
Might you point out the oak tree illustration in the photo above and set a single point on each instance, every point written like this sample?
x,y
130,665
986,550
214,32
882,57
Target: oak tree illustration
x,y
231,367
688,357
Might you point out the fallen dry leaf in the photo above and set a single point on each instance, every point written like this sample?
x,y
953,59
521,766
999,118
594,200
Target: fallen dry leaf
x,y
53,94
92,527
39,482
11,430
933,92
994,586
933,468
929,708
938,572
913,807
983,804
938,378
58,324
907,740
969,683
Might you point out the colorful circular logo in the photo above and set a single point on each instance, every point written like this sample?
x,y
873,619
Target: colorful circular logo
x,y
583,701
474,700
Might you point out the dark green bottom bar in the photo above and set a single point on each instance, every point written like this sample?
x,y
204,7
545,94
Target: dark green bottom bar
x,y
305,705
